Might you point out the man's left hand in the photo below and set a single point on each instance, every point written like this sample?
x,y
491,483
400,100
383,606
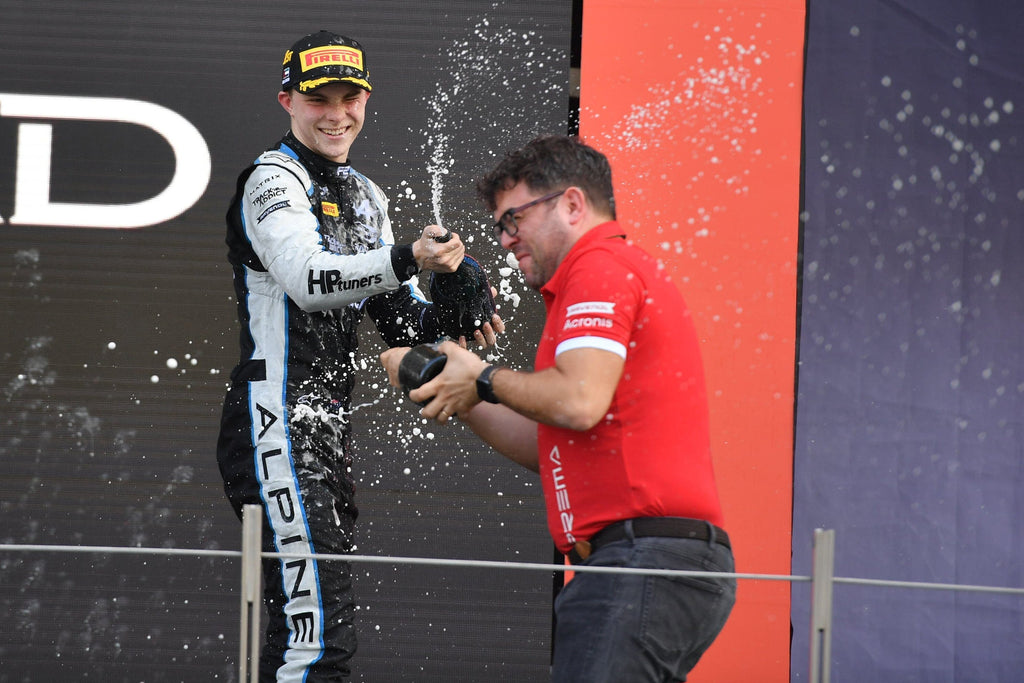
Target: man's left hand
x,y
488,333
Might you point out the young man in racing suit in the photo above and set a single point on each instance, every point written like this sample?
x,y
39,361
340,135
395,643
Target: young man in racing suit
x,y
312,250
614,417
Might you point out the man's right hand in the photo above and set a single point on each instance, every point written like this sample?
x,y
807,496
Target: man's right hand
x,y
391,359
441,257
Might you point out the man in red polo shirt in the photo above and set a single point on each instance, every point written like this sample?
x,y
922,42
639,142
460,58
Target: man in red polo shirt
x,y
614,417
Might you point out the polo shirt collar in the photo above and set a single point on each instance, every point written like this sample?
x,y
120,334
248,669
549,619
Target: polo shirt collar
x,y
596,233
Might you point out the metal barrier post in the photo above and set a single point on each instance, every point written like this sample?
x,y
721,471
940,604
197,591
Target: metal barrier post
x,y
821,604
249,647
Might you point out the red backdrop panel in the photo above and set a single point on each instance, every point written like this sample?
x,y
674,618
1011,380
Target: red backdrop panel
x,y
698,106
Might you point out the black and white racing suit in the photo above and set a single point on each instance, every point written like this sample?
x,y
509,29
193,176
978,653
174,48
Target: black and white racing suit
x,y
312,250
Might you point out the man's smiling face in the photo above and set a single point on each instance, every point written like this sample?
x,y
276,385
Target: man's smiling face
x,y
328,119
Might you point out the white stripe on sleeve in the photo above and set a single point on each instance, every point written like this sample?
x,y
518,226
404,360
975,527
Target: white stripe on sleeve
x,y
592,343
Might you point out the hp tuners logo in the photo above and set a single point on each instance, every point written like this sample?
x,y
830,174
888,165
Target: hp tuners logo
x,y
32,205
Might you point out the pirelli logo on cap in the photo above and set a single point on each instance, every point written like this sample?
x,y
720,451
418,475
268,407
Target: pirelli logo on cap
x,y
331,54
329,209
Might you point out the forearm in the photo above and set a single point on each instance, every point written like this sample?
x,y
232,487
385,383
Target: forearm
x,y
576,394
552,397
506,431
320,281
286,239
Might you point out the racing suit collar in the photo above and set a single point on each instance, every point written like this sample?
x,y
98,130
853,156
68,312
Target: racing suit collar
x,y
313,161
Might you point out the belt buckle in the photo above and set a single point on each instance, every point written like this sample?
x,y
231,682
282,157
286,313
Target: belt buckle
x,y
583,549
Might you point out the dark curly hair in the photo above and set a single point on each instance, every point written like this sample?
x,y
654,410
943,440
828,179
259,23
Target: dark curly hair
x,y
549,163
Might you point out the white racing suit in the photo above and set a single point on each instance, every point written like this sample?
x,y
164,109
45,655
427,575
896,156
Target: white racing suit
x,y
312,250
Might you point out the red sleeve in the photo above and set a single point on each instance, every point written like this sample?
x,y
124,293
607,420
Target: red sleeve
x,y
598,304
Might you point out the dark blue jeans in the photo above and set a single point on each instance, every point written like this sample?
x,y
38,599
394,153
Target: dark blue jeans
x,y
620,628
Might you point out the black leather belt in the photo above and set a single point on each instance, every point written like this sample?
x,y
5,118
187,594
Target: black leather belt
x,y
670,527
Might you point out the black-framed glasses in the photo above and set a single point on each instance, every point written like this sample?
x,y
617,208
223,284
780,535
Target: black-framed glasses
x,y
507,222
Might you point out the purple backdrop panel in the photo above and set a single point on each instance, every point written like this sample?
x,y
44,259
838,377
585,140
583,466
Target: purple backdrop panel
x,y
911,386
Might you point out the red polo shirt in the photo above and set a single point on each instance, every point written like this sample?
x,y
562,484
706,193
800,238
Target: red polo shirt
x,y
650,455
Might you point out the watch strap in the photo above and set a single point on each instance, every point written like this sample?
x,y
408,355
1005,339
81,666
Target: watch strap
x,y
483,384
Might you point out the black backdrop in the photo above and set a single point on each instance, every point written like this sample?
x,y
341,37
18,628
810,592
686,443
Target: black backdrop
x,y
115,344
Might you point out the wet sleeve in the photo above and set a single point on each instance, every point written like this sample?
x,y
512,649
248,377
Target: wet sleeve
x,y
284,235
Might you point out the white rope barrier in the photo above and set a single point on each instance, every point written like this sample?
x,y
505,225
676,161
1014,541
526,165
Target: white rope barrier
x,y
822,581
390,559
118,550
496,564
932,586
536,566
